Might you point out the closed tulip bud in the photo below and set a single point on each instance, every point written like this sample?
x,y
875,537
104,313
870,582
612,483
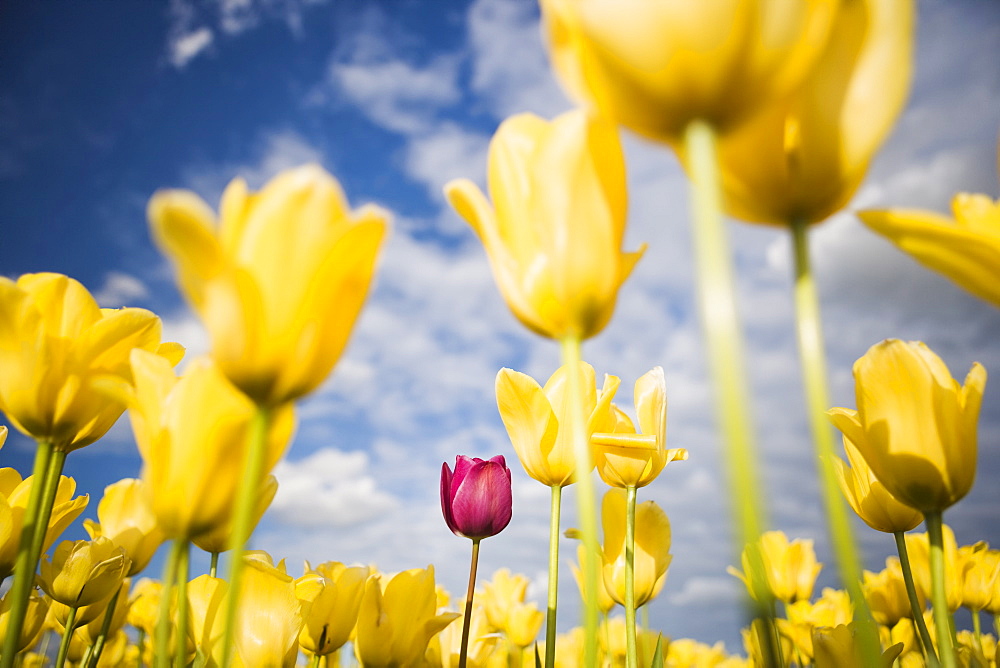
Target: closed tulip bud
x,y
652,547
206,597
330,606
554,232
279,281
965,247
885,593
83,572
55,341
533,416
267,630
626,458
790,568
915,425
523,623
868,496
476,498
125,517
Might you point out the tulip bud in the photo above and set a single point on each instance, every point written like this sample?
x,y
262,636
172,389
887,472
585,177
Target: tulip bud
x,y
476,498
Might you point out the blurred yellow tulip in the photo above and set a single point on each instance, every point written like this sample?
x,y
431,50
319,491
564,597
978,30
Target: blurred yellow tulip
x,y
218,539
31,630
445,649
790,568
965,248
554,232
837,647
330,606
83,572
626,458
980,568
833,608
144,605
915,425
125,517
523,623
500,594
604,601
269,622
919,551
55,341
533,416
885,593
281,279
652,547
804,156
869,498
206,596
656,65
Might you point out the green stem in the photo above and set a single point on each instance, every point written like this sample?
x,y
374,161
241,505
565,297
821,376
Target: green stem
x,y
724,342
314,662
550,619
140,643
25,566
977,630
161,647
467,622
809,328
630,654
939,597
253,472
66,637
98,646
213,568
911,593
586,506
181,578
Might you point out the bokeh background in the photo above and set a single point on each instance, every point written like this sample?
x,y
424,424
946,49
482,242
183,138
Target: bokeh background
x,y
104,101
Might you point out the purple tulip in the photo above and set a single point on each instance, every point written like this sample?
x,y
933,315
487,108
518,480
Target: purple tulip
x,y
476,499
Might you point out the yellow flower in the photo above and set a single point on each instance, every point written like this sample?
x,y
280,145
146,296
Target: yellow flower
x,y
869,498
919,551
981,575
885,592
500,595
836,648
652,547
280,282
833,608
92,629
395,625
267,631
14,495
217,540
206,598
445,648
55,341
190,431
330,605
533,414
613,643
125,517
523,623
144,605
656,65
604,601
83,572
626,458
804,156
554,233
915,425
965,248
790,568
34,619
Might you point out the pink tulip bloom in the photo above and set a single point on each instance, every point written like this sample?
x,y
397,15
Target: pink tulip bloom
x,y
476,498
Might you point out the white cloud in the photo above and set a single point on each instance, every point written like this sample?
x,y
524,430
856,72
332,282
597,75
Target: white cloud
x,y
184,47
708,591
448,152
120,289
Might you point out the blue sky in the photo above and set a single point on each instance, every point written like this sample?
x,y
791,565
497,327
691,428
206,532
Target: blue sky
x,y
104,102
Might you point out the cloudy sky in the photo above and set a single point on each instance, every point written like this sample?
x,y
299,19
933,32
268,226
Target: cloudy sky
x,y
104,102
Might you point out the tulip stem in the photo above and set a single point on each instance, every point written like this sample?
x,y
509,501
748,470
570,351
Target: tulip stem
x,y
161,640
939,598
102,638
314,662
181,578
467,622
630,654
724,342
809,328
550,619
977,630
213,567
66,637
911,593
24,567
243,516
586,506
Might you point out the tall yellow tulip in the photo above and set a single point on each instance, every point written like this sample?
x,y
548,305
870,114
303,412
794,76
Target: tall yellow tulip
x,y
869,498
329,605
281,279
803,157
965,248
652,547
267,631
125,517
554,232
656,65
915,425
790,567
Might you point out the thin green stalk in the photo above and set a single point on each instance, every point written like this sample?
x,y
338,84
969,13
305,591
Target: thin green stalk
x,y
253,472
213,568
181,578
24,565
140,643
630,653
939,598
977,630
66,637
911,593
161,646
550,615
102,637
467,622
314,662
586,505
809,327
87,656
724,343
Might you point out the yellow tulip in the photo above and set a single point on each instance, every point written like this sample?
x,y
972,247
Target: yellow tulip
x,y
125,517
554,232
804,156
500,595
206,598
445,648
965,248
144,605
267,630
836,647
330,606
83,572
523,623
919,551
612,638
218,540
915,425
652,547
280,282
687,652
190,430
34,619
533,415
91,630
981,575
832,609
656,65
885,593
604,601
626,458
869,498
14,495
790,568
55,341
395,625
